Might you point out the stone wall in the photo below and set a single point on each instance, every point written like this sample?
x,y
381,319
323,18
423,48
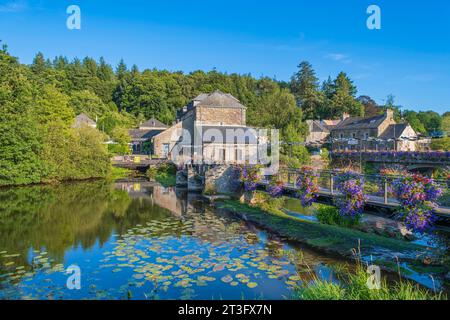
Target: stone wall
x,y
221,116
221,179
169,136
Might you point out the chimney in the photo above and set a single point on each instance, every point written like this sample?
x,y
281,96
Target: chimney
x,y
389,114
345,115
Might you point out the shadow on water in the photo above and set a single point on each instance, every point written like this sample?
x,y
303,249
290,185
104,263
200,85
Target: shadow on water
x,y
139,240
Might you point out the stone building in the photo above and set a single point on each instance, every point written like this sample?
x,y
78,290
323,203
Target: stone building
x,y
373,134
218,122
141,138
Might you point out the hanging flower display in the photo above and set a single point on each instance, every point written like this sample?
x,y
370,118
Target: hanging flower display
x,y
250,176
351,201
275,188
418,196
307,186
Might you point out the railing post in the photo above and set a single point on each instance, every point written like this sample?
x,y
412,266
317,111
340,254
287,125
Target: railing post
x,y
385,190
289,176
331,183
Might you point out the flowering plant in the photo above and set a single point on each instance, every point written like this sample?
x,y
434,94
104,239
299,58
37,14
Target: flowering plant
x,y
351,202
307,186
250,177
417,195
275,188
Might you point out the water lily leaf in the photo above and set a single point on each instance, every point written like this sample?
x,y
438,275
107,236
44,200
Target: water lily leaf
x,y
227,278
252,284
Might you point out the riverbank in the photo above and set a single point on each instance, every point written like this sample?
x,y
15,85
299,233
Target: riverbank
x,y
391,255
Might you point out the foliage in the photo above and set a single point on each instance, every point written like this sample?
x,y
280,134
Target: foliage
x,y
442,144
418,196
165,174
307,184
353,286
330,215
351,201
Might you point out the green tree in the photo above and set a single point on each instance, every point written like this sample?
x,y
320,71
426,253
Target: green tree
x,y
304,86
87,102
343,100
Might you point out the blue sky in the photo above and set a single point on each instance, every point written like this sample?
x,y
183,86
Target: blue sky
x,y
409,57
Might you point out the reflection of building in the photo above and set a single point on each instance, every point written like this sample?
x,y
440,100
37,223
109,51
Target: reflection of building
x,y
375,133
141,138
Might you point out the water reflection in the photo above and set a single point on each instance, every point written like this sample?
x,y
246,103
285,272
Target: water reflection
x,y
139,240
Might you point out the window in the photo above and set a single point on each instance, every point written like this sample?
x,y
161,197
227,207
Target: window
x,y
354,135
366,135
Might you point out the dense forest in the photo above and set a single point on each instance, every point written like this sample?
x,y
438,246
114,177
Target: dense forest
x,y
39,102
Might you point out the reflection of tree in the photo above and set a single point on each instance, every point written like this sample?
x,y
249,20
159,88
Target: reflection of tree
x,y
56,218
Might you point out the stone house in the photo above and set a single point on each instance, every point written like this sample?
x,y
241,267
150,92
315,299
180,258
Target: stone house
x,y
83,120
373,134
141,138
211,128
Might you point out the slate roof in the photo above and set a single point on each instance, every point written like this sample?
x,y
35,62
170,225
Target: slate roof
x,y
153,123
394,130
356,123
218,99
143,135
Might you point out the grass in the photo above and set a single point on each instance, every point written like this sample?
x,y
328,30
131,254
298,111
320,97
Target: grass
x,y
330,215
353,286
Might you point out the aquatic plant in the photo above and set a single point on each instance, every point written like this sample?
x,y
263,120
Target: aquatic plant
x,y
418,196
307,185
351,201
330,215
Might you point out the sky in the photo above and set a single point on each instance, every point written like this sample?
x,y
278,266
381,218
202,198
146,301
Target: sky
x,y
409,57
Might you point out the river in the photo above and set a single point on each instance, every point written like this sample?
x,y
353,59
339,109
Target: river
x,y
139,240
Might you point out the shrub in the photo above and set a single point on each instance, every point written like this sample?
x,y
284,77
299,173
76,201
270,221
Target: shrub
x,y
330,215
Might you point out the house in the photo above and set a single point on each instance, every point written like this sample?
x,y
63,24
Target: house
x,y
141,138
319,131
375,133
211,128
83,120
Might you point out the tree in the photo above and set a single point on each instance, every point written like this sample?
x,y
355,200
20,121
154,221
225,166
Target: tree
x,y
446,123
20,141
343,100
87,102
304,86
371,109
411,118
431,120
